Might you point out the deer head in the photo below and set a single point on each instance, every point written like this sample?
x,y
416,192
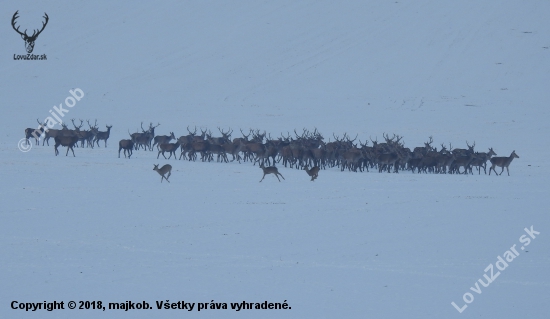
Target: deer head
x,y
29,40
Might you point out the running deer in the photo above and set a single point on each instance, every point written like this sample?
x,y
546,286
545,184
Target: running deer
x,y
270,170
163,170
502,162
313,172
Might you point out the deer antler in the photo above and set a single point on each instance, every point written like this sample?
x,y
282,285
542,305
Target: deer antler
x,y
24,34
43,26
15,16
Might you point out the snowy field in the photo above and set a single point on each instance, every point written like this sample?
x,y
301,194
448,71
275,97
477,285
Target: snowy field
x,y
96,227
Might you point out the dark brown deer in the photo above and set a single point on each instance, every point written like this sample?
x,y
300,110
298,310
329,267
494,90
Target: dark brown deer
x,y
313,172
502,162
270,170
168,147
127,146
163,139
82,134
29,40
49,133
462,151
68,141
461,161
103,135
143,140
163,170
480,160
199,147
36,133
136,135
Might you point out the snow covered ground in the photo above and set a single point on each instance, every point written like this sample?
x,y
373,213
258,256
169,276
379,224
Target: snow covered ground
x,y
350,245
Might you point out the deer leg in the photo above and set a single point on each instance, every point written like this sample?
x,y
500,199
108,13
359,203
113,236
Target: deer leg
x,y
262,178
276,175
507,170
281,175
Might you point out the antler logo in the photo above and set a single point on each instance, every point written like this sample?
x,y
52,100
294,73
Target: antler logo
x,y
29,40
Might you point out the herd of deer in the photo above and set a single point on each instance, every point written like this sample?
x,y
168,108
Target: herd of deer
x,y
300,151
67,137
308,149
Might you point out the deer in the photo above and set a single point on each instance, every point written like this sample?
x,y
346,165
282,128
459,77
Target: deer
x,y
127,146
226,137
169,147
163,139
68,141
270,170
29,40
143,140
36,133
48,133
480,160
502,162
420,152
82,135
202,147
313,172
163,170
135,136
91,133
103,135
462,151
